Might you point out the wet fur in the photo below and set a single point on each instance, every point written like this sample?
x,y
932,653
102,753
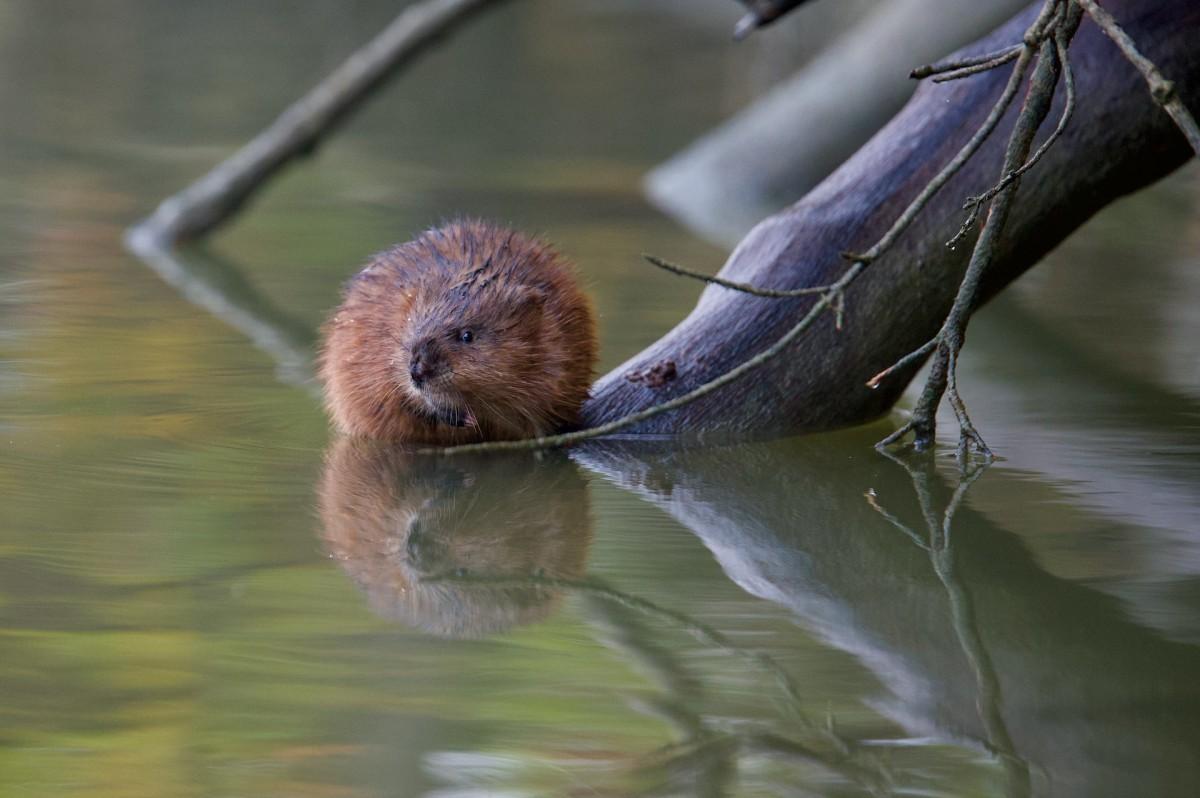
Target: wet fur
x,y
526,372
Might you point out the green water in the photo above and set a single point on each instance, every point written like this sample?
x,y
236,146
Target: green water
x,y
202,594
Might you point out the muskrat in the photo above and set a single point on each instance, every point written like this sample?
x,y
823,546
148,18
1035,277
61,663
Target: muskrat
x,y
469,332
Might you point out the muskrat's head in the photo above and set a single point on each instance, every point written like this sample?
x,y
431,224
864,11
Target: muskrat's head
x,y
468,351
468,332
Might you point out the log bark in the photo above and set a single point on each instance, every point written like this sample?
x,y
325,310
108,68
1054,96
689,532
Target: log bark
x,y
1119,141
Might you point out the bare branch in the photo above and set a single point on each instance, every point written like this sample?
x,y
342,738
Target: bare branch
x,y
211,200
1161,89
950,337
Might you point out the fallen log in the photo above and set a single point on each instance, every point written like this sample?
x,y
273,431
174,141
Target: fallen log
x,y
1119,140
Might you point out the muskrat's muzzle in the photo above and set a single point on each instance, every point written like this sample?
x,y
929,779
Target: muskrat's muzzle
x,y
425,363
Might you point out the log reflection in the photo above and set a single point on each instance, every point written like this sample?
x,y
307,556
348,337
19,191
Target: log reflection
x,y
974,644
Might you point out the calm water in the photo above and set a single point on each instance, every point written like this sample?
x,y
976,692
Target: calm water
x,y
201,594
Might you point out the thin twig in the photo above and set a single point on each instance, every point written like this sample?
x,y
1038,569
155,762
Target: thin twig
x,y
968,436
912,357
975,69
1162,90
212,199
745,288
1010,53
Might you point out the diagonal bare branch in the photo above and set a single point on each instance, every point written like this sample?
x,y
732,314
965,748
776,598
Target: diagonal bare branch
x,y
1162,90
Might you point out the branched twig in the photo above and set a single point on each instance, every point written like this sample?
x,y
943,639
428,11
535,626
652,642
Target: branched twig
x,y
837,297
950,169
1161,89
1052,46
211,200
973,204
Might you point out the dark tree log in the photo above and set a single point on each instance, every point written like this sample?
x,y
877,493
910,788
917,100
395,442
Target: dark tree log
x,y
1118,142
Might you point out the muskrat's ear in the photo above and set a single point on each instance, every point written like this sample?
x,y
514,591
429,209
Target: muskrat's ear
x,y
529,298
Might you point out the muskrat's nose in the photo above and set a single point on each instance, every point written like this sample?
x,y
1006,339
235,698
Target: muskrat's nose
x,y
422,364
418,369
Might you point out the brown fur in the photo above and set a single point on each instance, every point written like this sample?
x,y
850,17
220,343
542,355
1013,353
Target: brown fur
x,y
525,372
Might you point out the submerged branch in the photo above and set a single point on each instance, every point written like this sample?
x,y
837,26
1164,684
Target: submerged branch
x,y
942,378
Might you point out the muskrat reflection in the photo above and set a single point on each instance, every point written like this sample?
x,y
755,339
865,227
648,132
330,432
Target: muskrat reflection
x,y
415,531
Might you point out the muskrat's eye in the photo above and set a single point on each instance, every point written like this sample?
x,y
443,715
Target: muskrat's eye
x,y
466,336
